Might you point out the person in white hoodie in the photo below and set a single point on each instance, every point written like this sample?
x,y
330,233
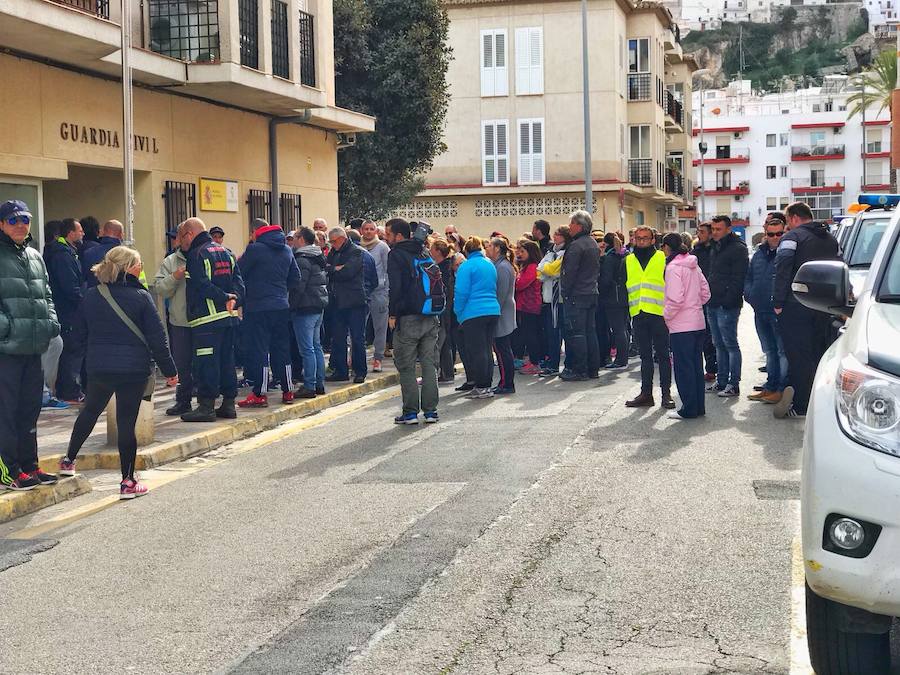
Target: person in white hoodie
x,y
552,308
378,301
686,293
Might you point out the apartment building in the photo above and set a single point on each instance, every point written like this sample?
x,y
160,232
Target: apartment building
x,y
209,77
767,151
514,134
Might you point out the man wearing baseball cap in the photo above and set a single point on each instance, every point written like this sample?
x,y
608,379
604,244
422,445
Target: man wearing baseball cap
x,y
217,234
27,324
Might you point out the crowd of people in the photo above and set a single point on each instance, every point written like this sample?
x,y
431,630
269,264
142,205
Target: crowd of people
x,y
81,322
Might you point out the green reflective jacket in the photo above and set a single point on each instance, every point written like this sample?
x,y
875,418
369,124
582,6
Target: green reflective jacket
x,y
27,318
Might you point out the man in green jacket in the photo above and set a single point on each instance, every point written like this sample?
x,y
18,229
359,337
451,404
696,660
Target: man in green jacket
x,y
27,324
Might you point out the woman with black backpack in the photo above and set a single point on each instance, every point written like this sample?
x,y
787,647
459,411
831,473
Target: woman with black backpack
x,y
124,335
614,298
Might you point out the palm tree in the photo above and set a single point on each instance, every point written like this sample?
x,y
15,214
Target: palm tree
x,y
875,85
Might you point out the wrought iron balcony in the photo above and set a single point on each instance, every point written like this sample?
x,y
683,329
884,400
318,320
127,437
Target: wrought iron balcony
x,y
640,87
674,109
674,183
800,153
640,172
96,7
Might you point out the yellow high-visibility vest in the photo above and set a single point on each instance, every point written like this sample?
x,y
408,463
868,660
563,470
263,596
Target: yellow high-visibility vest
x,y
646,287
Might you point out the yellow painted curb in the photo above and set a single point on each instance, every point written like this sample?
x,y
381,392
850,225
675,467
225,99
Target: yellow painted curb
x,y
194,444
16,504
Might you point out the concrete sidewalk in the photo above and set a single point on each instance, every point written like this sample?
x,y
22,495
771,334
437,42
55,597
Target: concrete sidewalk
x,y
175,440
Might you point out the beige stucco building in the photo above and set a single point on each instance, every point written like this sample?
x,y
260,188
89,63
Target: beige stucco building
x,y
209,77
514,133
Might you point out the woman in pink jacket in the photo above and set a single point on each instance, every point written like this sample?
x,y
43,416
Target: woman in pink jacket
x,y
686,293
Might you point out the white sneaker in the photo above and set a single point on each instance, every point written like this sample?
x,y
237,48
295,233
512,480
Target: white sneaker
x,y
674,415
484,393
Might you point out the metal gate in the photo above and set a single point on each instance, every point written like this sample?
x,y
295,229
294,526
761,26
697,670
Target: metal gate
x,y
181,204
290,211
260,203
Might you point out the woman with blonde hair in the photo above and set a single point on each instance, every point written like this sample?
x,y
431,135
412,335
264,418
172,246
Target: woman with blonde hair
x,y
124,335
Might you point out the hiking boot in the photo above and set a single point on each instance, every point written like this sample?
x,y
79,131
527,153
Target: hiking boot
x,y
771,397
643,400
254,401
786,404
667,401
179,409
226,411
203,413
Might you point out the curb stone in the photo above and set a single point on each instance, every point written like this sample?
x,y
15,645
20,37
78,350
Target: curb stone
x,y
15,504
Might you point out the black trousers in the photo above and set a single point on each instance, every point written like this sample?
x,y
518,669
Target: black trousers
x,y
617,320
652,336
128,393
806,335
213,363
180,341
70,362
478,337
268,348
446,347
531,332
580,332
687,355
21,391
504,352
604,334
709,348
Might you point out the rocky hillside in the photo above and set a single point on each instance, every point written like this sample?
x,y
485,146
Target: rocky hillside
x,y
801,41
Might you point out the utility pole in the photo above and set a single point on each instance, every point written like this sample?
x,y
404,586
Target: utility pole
x,y
127,123
586,94
701,74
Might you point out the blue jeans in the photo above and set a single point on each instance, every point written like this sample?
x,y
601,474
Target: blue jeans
x,y
687,360
308,329
724,322
352,319
770,340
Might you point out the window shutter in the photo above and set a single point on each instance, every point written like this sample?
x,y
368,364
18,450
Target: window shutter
x,y
501,74
523,62
537,152
536,65
489,153
487,63
502,136
525,175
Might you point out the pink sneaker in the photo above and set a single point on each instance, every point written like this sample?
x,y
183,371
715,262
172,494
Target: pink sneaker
x,y
129,489
66,467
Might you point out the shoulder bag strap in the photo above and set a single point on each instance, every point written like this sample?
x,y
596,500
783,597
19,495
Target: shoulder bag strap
x,y
104,291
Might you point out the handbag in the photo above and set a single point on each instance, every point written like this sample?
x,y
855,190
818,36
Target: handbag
x,y
104,292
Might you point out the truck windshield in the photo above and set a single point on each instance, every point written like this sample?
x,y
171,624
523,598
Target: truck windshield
x,y
890,285
866,243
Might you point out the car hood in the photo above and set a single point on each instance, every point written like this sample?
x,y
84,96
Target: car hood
x,y
882,333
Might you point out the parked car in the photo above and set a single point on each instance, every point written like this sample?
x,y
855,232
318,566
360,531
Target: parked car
x,y
850,486
859,239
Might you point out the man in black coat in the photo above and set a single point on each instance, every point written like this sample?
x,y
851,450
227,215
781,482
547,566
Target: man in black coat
x,y
702,251
110,236
578,285
728,264
347,300
67,286
806,334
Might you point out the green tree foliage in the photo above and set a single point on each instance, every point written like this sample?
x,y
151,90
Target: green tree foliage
x,y
875,85
391,60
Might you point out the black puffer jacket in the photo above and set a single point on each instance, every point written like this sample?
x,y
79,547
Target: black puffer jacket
x,y
728,271
113,351
66,280
703,252
805,243
346,286
580,269
311,296
27,318
611,283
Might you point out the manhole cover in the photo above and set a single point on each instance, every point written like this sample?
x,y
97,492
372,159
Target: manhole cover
x,y
777,489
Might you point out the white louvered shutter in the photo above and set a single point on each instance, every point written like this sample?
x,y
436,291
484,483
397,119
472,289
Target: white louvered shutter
x,y
525,153
488,153
537,152
494,74
487,63
502,136
529,61
501,72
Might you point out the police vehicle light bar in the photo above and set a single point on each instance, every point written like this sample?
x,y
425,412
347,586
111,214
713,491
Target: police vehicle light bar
x,y
884,201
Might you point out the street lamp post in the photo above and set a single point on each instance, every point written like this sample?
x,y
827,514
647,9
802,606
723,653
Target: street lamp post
x,y
127,123
588,177
701,74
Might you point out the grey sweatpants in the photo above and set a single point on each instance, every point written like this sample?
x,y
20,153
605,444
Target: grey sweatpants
x,y
415,337
378,310
50,362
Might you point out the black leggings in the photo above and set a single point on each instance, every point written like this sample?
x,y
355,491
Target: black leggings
x,y
503,350
477,334
128,402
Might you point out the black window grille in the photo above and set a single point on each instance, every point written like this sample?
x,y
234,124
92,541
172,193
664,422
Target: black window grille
x,y
96,7
260,203
185,30
307,50
280,61
248,17
640,172
181,204
639,86
290,211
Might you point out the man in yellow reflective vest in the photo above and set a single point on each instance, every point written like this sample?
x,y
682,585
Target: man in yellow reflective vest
x,y
646,284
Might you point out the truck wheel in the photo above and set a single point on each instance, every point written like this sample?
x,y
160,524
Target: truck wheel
x,y
835,652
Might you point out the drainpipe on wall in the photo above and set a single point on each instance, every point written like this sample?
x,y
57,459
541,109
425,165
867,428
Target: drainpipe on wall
x,y
274,123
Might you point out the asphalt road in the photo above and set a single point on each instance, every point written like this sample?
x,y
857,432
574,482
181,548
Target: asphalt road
x,y
551,531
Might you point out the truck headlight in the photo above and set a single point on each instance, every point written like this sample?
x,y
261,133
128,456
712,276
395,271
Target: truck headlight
x,y
869,406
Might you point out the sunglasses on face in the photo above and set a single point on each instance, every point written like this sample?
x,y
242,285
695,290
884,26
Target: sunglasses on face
x,y
774,234
16,220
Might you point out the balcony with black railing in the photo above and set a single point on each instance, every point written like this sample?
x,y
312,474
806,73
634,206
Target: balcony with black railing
x,y
185,31
674,183
809,153
96,7
307,50
674,112
640,87
640,172
723,188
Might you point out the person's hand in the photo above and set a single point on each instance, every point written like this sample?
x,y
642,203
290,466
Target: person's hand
x,y
231,303
338,268
392,322
179,273
778,310
172,381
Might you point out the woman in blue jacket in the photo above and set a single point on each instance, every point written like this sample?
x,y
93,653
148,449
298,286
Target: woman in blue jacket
x,y
477,310
119,361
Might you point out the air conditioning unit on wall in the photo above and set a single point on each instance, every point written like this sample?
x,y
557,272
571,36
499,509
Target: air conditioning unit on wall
x,y
737,198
